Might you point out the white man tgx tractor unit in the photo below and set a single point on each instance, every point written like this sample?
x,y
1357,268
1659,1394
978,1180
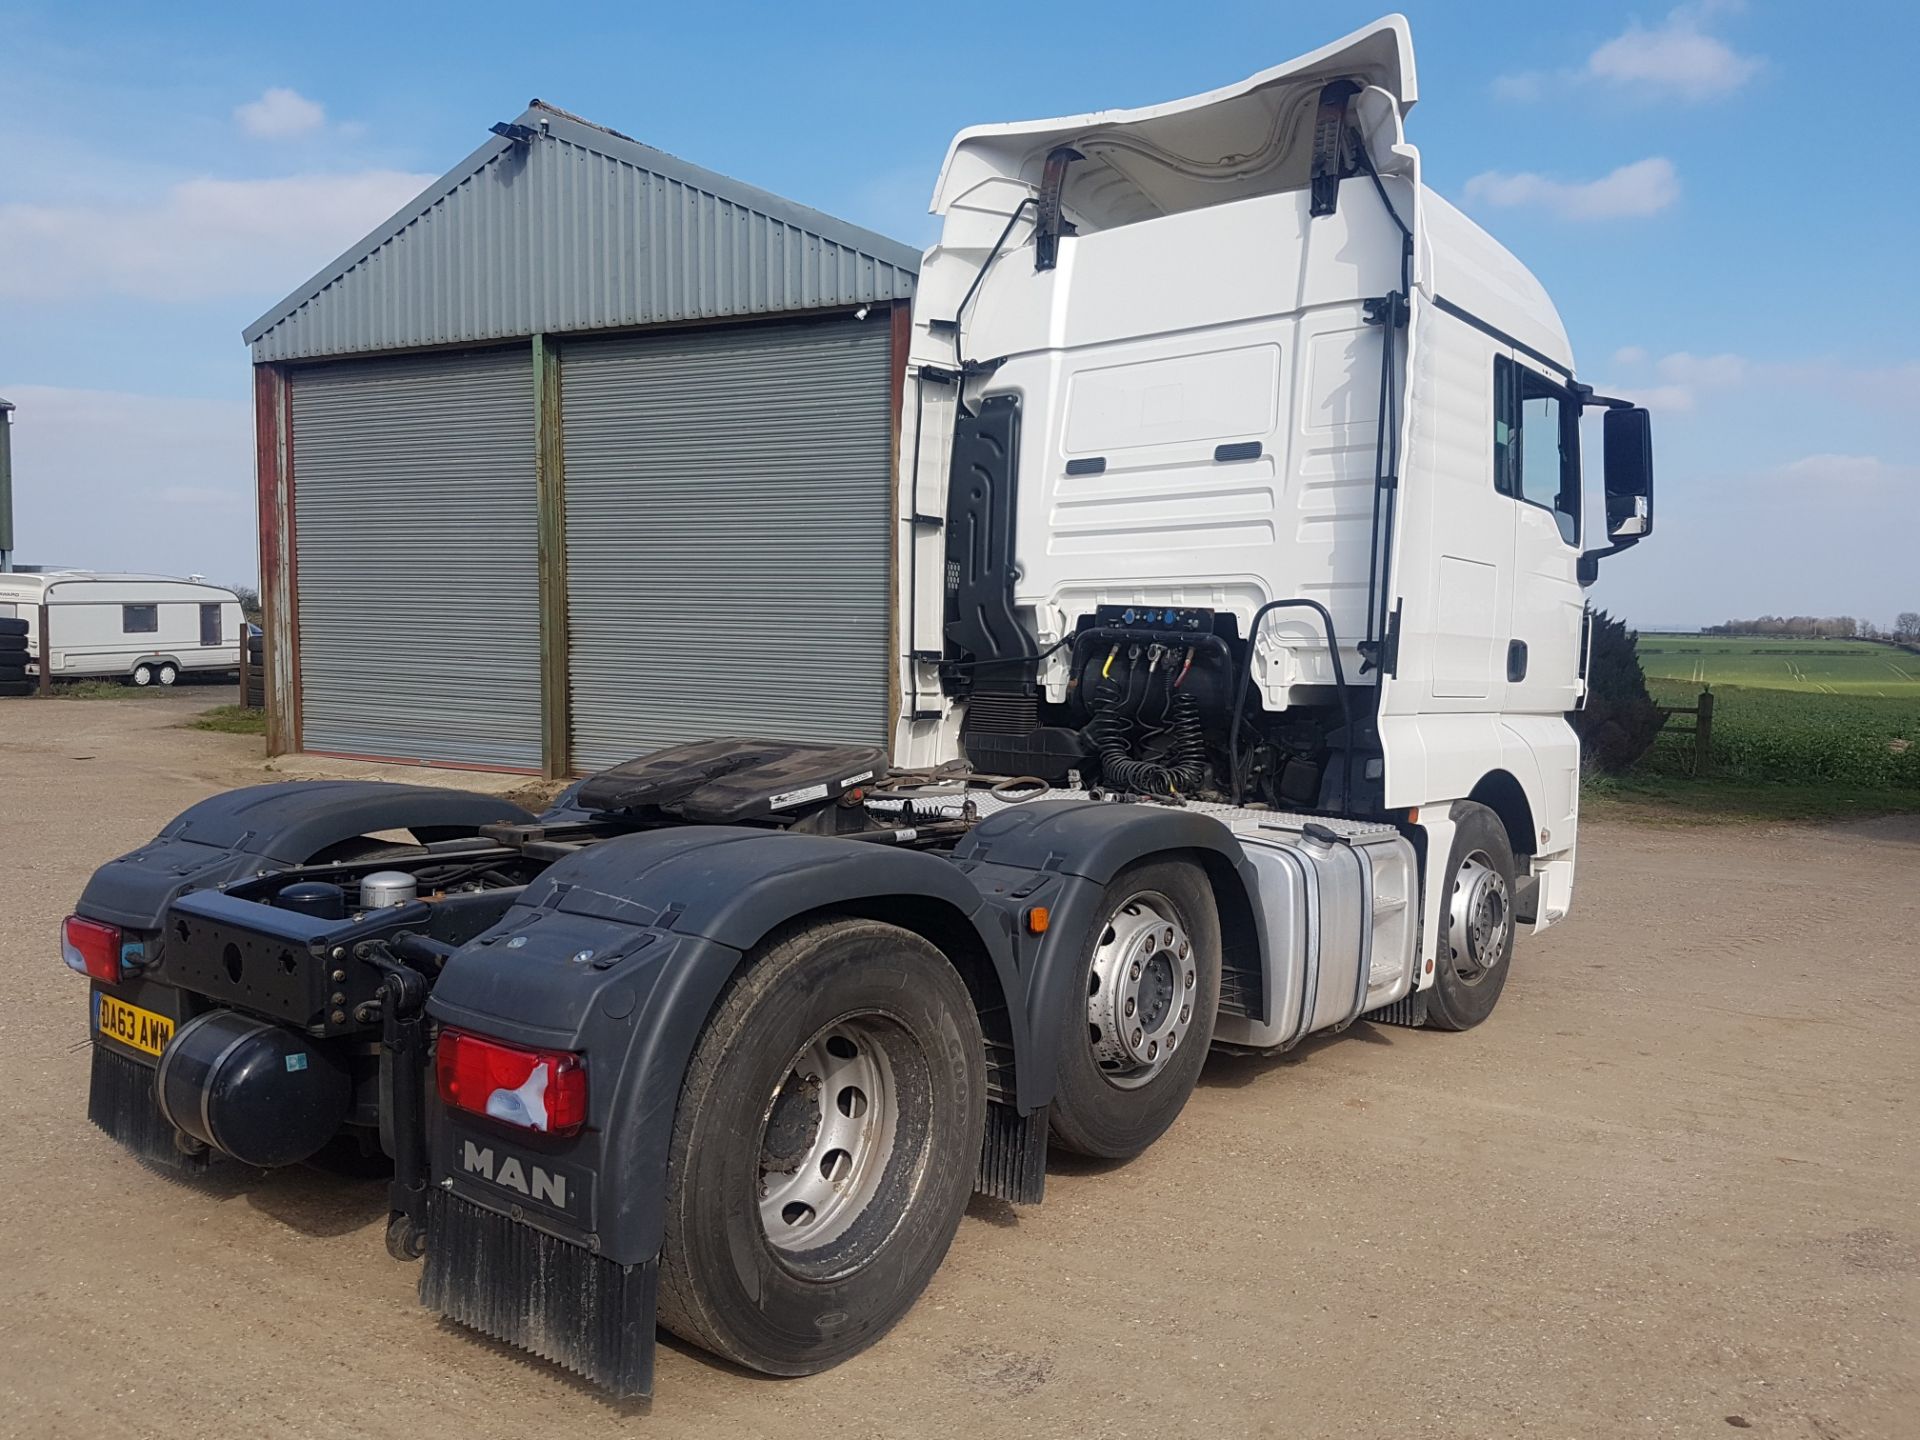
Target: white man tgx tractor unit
x,y
1240,610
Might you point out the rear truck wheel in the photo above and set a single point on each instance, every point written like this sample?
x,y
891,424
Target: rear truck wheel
x,y
167,673
826,1144
1477,925
143,675
1151,978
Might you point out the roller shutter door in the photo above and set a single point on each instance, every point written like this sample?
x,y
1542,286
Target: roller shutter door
x,y
415,552
728,536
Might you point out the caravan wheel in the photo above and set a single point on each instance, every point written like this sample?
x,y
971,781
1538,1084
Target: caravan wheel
x,y
167,673
143,675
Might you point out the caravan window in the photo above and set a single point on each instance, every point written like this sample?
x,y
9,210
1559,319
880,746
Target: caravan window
x,y
139,619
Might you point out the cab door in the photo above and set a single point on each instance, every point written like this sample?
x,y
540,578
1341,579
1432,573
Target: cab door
x,y
1537,466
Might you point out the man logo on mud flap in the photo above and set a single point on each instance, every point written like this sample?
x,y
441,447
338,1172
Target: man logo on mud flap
x,y
528,1179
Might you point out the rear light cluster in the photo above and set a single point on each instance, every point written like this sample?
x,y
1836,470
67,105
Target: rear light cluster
x,y
92,948
543,1090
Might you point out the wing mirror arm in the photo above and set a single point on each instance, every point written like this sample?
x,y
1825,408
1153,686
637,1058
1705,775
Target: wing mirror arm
x,y
1587,398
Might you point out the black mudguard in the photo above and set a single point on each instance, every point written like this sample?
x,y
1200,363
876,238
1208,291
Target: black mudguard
x,y
266,827
620,952
1070,850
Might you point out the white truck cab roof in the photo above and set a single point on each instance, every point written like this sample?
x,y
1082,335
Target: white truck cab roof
x,y
1255,137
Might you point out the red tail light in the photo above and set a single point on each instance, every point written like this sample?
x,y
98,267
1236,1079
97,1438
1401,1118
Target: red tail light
x,y
91,948
543,1090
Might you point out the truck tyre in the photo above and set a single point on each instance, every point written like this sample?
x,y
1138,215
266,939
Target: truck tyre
x,y
1477,927
1134,1038
16,687
11,625
825,1147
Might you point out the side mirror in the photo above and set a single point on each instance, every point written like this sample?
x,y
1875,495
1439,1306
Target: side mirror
x,y
1627,434
1627,448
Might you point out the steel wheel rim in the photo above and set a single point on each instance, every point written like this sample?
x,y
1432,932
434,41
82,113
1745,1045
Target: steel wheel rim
x,y
142,675
167,674
1479,918
828,1134
1142,987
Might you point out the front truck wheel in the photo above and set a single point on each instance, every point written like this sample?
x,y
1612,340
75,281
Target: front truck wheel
x,y
826,1143
1477,926
1150,975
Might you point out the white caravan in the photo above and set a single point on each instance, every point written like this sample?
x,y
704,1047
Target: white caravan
x,y
149,629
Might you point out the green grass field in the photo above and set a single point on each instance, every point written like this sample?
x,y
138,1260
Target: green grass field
x,y
1826,715
1819,667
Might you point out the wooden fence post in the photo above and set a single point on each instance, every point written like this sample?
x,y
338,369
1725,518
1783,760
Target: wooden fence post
x,y
1703,734
46,651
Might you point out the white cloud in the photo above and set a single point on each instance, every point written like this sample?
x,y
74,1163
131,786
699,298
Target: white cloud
x,y
108,480
1645,187
1684,380
1661,399
1891,386
1676,57
1704,371
1853,471
280,114
202,238
1527,85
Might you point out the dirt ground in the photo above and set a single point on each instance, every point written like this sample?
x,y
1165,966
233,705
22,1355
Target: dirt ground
x,y
1669,1189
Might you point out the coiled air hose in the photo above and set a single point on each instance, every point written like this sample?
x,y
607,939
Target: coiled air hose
x,y
1180,768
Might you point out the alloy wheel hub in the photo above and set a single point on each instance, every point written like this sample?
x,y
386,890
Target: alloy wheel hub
x,y
829,1133
1140,991
1480,918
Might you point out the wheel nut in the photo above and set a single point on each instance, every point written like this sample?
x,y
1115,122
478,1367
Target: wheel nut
x,y
1129,1007
1153,1048
1169,937
1186,1013
1189,979
1136,1037
1134,973
1183,949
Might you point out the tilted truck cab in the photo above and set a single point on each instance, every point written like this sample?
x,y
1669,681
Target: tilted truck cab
x,y
1243,534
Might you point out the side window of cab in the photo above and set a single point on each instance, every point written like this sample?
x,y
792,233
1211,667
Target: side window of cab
x,y
1536,444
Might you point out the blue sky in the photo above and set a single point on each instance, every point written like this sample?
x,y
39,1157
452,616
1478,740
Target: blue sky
x,y
1717,195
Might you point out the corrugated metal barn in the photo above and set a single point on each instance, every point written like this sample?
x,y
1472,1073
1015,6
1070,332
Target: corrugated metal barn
x,y
584,452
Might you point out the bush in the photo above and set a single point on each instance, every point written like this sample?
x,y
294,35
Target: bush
x,y
1620,721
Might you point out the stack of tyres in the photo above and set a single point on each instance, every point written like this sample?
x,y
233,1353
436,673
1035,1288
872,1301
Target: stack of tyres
x,y
256,696
13,657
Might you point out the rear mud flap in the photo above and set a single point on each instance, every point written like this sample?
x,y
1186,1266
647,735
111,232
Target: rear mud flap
x,y
120,1101
550,1297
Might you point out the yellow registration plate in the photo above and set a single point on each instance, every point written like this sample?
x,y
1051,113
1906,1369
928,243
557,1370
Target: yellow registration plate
x,y
130,1025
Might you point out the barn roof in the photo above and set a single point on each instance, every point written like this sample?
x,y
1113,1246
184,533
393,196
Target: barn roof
x,y
561,225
